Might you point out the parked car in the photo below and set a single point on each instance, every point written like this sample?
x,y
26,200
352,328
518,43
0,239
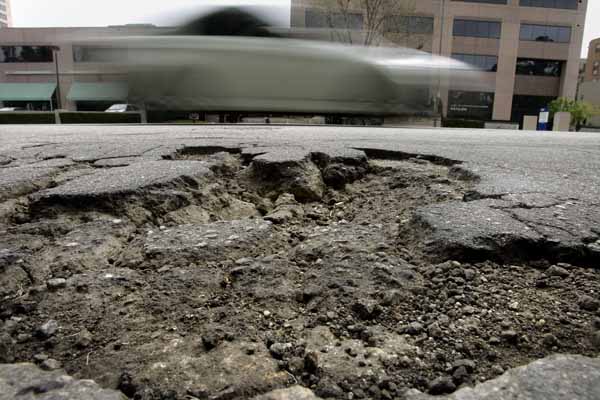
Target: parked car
x,y
121,108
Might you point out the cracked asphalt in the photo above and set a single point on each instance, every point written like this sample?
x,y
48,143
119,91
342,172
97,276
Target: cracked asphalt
x,y
545,185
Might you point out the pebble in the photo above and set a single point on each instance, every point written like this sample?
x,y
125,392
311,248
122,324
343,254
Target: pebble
x,y
267,313
48,329
311,362
434,330
510,336
540,323
442,385
469,365
514,306
279,350
84,339
555,270
460,375
40,357
56,283
50,365
469,274
498,370
414,328
588,303
469,310
550,340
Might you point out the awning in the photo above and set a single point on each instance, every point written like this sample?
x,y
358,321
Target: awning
x,y
27,91
98,91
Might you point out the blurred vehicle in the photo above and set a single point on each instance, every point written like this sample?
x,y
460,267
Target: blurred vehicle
x,y
12,109
121,108
230,62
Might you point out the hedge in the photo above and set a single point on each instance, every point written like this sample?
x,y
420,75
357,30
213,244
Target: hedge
x,y
84,117
26,118
69,118
462,123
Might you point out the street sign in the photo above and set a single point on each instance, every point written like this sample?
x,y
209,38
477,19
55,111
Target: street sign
x,y
543,120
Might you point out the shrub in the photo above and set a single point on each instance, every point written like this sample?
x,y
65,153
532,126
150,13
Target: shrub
x,y
83,117
462,123
27,118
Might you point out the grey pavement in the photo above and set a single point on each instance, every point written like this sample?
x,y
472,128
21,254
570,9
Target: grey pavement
x,y
545,186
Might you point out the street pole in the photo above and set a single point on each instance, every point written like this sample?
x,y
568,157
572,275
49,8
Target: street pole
x,y
55,50
438,109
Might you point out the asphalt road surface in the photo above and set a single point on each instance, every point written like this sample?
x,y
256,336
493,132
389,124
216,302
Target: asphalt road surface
x,y
223,262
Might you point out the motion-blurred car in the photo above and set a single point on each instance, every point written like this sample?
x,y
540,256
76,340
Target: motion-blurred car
x,y
121,108
228,62
12,109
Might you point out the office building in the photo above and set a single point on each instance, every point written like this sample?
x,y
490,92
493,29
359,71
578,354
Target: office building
x,y
589,88
592,68
5,14
528,50
31,59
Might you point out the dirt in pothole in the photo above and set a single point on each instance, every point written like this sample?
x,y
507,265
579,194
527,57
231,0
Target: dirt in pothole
x,y
235,291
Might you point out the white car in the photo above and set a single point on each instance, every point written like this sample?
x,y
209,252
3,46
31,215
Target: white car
x,y
200,69
121,108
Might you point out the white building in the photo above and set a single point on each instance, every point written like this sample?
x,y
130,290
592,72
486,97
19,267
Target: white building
x,y
5,14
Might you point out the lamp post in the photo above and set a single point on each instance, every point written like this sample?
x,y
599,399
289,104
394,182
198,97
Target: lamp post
x,y
438,109
55,50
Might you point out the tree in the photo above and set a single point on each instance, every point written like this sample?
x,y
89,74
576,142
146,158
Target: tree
x,y
373,18
581,111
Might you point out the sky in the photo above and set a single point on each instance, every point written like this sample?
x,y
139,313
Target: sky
x,y
60,13
47,13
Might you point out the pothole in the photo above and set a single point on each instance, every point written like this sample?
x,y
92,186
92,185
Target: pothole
x,y
216,274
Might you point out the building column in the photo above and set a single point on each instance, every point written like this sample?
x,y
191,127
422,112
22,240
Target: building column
x,y
570,74
442,35
505,76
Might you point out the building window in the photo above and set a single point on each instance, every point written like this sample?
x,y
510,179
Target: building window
x,y
484,1
481,62
530,66
564,4
528,105
471,105
409,24
474,28
26,54
99,54
545,33
323,19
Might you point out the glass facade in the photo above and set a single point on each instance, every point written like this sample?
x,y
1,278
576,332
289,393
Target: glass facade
x,y
475,28
470,105
528,105
409,24
480,62
545,33
26,54
531,66
323,19
564,4
98,54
